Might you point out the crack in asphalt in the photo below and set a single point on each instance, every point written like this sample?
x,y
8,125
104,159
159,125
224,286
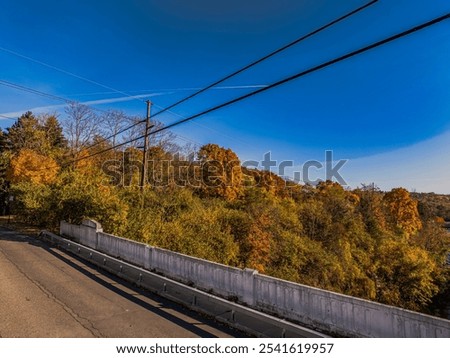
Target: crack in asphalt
x,y
81,320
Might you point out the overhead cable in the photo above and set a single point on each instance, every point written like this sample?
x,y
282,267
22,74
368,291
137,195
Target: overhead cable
x,y
285,80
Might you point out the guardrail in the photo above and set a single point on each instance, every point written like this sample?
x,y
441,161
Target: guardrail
x,y
322,310
232,314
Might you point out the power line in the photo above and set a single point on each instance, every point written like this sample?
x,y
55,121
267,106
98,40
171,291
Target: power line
x,y
209,128
273,53
120,131
68,73
311,70
47,95
283,81
65,100
31,90
62,99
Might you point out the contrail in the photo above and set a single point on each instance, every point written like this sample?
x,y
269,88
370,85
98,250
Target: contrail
x,y
87,103
170,90
119,99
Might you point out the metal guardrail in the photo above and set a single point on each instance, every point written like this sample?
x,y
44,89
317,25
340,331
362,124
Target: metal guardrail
x,y
234,315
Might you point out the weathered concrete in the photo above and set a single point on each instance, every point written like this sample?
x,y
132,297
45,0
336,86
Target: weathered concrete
x,y
232,314
85,234
324,310
223,280
44,292
341,314
127,250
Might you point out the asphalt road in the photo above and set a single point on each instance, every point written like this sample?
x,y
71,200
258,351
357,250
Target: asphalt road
x,y
44,292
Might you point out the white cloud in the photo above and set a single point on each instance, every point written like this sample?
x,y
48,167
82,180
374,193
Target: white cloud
x,y
423,166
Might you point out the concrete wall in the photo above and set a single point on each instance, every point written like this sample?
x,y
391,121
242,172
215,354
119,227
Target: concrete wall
x,y
324,310
223,280
230,313
340,314
127,250
85,234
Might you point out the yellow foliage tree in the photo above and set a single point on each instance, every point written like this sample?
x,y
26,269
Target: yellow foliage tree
x,y
29,166
266,180
402,210
406,275
220,172
259,244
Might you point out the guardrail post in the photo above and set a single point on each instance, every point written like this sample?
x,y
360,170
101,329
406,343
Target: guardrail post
x,y
248,284
148,262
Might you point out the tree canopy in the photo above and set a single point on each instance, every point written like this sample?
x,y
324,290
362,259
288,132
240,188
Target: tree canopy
x,y
383,246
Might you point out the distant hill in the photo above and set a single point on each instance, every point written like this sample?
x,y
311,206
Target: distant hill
x,y
433,205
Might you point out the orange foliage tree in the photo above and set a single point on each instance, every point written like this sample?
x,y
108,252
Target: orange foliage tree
x,y
29,166
402,210
220,172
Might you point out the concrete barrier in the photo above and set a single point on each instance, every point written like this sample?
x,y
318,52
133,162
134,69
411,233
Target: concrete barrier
x,y
127,250
319,309
232,314
220,279
342,315
85,234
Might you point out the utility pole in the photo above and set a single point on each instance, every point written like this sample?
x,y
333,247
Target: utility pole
x,y
144,156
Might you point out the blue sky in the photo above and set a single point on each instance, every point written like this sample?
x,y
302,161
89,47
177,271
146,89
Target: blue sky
x,y
369,109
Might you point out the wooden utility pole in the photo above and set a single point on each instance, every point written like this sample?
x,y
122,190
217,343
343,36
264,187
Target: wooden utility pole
x,y
144,155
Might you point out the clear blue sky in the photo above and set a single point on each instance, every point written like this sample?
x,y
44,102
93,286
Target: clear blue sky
x,y
391,99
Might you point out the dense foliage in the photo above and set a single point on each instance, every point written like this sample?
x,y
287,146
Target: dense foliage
x,y
366,243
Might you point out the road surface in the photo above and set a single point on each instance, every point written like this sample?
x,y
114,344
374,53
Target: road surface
x,y
45,292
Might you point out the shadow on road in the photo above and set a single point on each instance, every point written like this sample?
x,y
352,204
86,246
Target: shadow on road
x,y
74,262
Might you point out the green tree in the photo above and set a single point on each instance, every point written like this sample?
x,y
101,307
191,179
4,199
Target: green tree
x,y
405,275
43,135
77,195
26,133
53,134
5,158
371,208
33,203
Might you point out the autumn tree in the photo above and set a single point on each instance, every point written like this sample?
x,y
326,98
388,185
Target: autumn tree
x,y
402,211
4,164
97,157
258,244
30,166
221,173
406,275
160,167
372,210
266,180
330,213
